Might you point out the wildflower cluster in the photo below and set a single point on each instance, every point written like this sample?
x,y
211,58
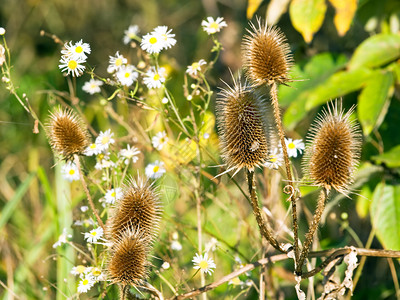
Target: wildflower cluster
x,y
73,57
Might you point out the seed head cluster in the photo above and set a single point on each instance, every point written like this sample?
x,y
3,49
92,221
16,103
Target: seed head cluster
x,y
67,134
242,127
266,55
131,229
333,149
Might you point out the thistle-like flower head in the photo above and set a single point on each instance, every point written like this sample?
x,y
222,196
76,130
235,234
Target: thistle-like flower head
x,y
333,149
67,133
242,127
266,55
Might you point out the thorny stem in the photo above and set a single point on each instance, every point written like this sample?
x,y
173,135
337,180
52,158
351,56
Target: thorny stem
x,y
123,290
78,165
257,212
323,195
333,254
292,198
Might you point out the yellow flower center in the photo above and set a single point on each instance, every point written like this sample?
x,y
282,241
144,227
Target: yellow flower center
x,y
153,40
94,233
127,74
85,282
156,77
105,139
79,49
93,146
72,64
273,158
96,272
80,269
203,264
155,169
71,172
214,25
118,62
292,145
235,281
93,86
100,156
195,65
113,194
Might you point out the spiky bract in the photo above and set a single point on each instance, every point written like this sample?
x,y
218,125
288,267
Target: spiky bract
x,y
67,133
333,149
139,208
266,55
242,127
128,262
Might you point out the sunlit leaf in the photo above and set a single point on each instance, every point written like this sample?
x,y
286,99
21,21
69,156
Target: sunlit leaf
x,y
345,11
252,7
374,100
376,51
276,8
363,201
390,158
385,215
307,16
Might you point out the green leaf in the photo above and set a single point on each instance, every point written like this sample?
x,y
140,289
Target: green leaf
x,y
307,16
339,84
385,215
390,158
374,100
376,51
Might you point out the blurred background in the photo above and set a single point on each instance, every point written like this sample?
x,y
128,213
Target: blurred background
x,y
331,61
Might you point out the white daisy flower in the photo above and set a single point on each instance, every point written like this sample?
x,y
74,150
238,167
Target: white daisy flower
x,y
210,26
94,235
165,265
72,65
164,100
86,284
159,140
78,270
204,263
104,140
62,239
154,79
2,55
195,67
92,149
212,245
175,245
126,75
293,146
155,170
113,195
2,31
166,36
92,86
129,154
70,171
105,163
84,208
116,62
275,159
152,43
97,274
76,51
130,34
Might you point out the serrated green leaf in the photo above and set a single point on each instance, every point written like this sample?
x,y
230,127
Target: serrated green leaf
x,y
390,158
339,84
376,51
385,215
374,100
307,16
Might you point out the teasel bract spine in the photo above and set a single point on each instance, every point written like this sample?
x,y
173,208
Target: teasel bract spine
x,y
331,156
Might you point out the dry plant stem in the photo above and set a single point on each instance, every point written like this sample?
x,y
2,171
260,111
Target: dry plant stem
x,y
153,290
78,165
333,254
257,212
323,195
292,198
123,289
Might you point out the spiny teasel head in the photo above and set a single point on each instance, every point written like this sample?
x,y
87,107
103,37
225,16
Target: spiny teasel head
x,y
242,127
67,133
266,55
128,261
138,208
333,149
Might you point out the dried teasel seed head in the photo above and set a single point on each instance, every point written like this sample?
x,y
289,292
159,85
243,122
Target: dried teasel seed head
x,y
128,262
333,149
242,127
67,133
266,55
138,208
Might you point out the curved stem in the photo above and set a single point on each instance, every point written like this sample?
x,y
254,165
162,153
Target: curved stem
x,y
85,188
257,212
323,195
292,198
